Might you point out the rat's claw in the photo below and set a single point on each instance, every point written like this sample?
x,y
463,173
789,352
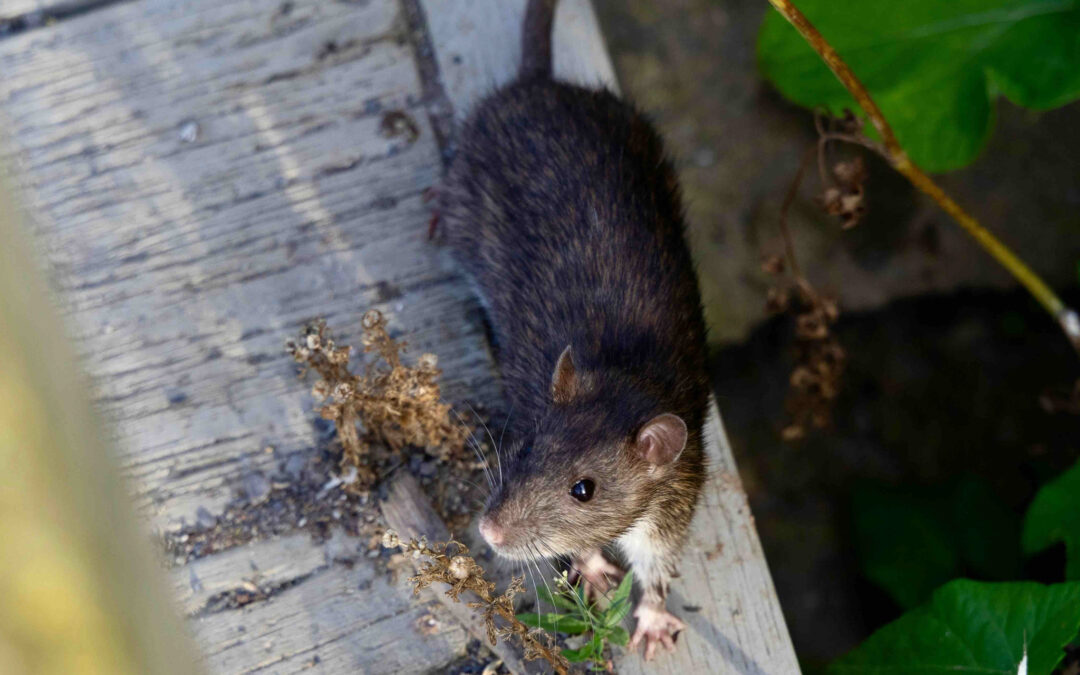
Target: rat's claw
x,y
655,626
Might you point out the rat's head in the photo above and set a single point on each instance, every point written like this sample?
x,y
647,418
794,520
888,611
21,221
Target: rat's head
x,y
590,469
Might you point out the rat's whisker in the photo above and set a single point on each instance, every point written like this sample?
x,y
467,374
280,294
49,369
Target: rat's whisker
x,y
498,448
490,438
487,490
477,449
542,577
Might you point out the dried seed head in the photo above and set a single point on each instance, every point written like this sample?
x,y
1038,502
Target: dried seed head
x,y
776,300
390,539
773,265
320,389
427,362
343,392
314,342
460,567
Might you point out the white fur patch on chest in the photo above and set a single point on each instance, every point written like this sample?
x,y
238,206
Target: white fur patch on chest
x,y
638,544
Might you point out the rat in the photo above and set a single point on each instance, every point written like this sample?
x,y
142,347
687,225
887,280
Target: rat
x,y
563,209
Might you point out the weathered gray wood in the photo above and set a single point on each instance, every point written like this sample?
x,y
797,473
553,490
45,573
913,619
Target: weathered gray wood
x,y
476,44
205,177
10,9
348,616
184,265
408,511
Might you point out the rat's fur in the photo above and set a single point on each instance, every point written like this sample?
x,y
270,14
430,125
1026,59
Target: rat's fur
x,y
562,207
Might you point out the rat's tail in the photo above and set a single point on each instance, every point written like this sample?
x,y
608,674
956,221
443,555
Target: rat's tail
x,y
536,39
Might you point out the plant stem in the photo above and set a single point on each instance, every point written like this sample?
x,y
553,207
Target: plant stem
x,y
1066,317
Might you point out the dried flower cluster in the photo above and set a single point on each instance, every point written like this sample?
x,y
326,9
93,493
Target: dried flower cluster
x,y
844,194
461,573
815,381
396,405
819,358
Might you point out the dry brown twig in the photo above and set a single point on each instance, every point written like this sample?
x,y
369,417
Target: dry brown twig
x,y
395,404
462,573
893,152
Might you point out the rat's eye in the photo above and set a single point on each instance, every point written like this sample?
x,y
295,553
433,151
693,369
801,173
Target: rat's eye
x,y
582,490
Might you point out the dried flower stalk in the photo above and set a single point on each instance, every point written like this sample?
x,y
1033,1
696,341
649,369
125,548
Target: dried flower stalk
x,y
462,573
396,405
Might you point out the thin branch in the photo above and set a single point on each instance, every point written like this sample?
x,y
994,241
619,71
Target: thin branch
x,y
1066,317
789,198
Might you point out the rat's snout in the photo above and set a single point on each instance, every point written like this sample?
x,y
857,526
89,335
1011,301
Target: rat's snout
x,y
491,531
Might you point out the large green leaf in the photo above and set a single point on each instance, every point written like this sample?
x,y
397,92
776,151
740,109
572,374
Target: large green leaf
x,y
912,541
933,66
973,627
904,542
986,531
1054,516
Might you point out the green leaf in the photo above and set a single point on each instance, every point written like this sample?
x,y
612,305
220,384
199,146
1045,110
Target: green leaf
x,y
616,612
1054,516
986,531
904,543
974,627
912,541
934,67
622,592
619,636
580,655
598,646
556,623
560,601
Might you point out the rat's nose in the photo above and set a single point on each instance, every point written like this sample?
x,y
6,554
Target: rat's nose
x,y
491,532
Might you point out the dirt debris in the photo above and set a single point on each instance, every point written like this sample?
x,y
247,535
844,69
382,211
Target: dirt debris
x,y
396,405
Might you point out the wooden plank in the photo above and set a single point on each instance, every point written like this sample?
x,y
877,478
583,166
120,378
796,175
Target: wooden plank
x,y
205,177
184,264
476,45
11,9
310,610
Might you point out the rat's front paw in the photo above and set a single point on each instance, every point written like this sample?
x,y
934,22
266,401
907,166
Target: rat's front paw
x,y
596,573
655,625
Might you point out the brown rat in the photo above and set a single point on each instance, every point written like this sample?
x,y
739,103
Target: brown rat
x,y
563,209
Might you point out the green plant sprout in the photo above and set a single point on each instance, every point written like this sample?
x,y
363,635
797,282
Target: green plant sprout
x,y
581,616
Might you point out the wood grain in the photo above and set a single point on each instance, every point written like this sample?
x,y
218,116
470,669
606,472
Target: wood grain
x,y
184,265
204,178
318,605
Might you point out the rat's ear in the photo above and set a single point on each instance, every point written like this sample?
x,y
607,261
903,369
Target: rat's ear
x,y
564,382
662,439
